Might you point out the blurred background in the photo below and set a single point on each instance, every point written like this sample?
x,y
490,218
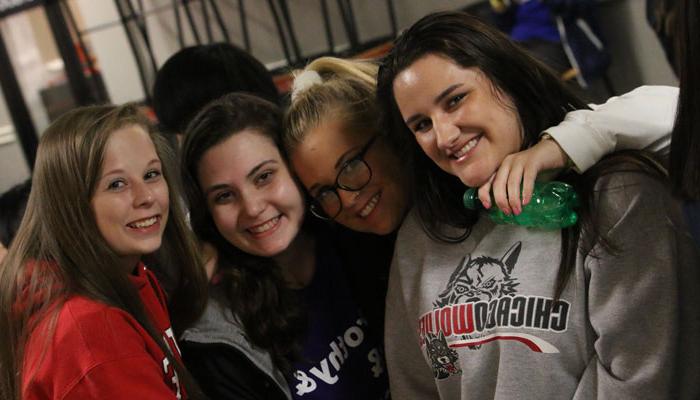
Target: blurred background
x,y
56,55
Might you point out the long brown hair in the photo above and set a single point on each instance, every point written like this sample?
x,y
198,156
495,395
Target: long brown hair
x,y
59,251
541,101
685,142
254,287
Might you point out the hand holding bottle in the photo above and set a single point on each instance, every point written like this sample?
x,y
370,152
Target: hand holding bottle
x,y
552,207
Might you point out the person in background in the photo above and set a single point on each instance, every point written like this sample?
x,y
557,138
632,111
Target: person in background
x,y
282,320
478,310
563,34
196,75
12,205
82,315
663,17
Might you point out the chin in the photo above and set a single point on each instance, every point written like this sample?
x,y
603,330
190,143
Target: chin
x,y
385,229
472,181
272,250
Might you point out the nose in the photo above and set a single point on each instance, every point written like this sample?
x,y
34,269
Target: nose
x,y
348,197
446,132
143,194
252,204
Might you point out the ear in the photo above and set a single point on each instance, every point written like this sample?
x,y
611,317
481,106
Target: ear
x,y
511,257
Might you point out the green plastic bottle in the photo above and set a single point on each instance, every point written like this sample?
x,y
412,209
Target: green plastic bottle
x,y
551,207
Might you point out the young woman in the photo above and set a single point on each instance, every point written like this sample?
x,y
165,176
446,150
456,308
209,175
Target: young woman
x,y
478,310
82,315
281,321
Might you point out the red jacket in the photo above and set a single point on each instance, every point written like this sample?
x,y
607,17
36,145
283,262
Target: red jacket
x,y
101,352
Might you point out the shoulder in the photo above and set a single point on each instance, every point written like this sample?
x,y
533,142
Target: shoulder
x,y
86,335
96,330
217,325
630,193
411,229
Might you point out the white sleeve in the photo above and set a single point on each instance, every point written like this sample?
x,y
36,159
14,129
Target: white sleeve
x,y
640,119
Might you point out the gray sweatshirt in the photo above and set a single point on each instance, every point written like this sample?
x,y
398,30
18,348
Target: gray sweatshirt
x,y
477,320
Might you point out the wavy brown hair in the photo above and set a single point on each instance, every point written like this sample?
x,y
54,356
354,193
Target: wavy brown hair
x,y
254,287
59,230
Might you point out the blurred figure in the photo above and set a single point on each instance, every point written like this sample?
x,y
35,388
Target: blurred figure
x,y
12,205
196,75
663,18
560,33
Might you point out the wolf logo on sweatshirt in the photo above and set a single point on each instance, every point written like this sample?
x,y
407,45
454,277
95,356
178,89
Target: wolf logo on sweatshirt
x,y
444,360
481,279
481,304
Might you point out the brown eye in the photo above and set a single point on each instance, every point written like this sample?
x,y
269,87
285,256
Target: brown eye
x,y
152,174
422,125
116,184
264,178
223,197
455,100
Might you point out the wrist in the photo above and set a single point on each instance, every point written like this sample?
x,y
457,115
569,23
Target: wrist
x,y
567,162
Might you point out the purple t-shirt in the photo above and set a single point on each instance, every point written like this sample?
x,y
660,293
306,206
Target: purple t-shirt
x,y
340,358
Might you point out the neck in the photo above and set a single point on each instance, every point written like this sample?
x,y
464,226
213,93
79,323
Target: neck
x,y
298,262
130,264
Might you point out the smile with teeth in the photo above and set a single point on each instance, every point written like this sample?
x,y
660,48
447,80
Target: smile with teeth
x,y
464,150
144,223
265,226
370,205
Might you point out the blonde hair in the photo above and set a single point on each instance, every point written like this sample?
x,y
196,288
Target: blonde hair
x,y
346,91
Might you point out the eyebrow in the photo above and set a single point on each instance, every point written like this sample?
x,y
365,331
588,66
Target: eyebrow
x,y
259,166
342,159
121,170
252,172
437,100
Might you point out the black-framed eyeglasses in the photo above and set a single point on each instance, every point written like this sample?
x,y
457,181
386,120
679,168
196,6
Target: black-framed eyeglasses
x,y
353,176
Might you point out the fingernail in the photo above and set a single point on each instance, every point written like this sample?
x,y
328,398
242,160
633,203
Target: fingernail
x,y
487,205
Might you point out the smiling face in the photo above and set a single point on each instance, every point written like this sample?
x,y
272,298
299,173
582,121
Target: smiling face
x,y
252,198
458,117
130,202
381,205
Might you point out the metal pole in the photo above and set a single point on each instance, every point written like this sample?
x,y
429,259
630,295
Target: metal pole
x,y
220,20
19,113
244,26
80,88
327,26
97,84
